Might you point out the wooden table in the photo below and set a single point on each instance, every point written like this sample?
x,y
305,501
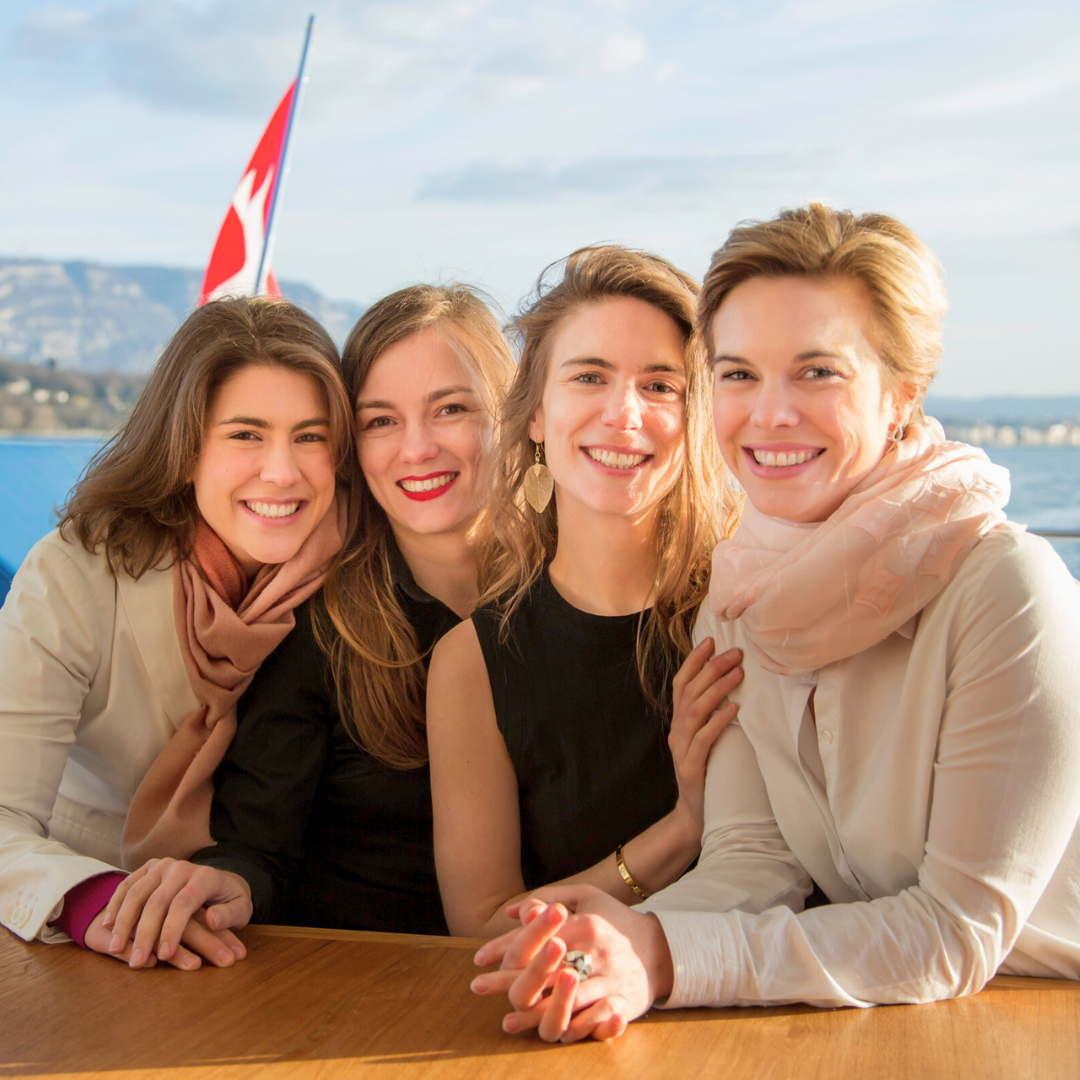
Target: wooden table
x,y
325,1004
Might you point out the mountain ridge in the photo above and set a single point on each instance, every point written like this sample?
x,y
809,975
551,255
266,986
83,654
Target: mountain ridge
x,y
89,316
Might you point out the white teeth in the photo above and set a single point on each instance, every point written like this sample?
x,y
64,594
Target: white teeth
x,y
430,484
616,461
273,510
781,459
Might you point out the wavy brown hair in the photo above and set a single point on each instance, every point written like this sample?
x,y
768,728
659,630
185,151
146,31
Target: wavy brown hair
x,y
899,272
136,498
693,516
374,652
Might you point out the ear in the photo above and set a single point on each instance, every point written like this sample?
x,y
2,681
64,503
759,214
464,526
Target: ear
x,y
904,397
536,425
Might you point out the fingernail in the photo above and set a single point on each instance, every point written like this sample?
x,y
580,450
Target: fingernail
x,y
731,654
107,920
480,959
189,962
478,985
136,958
511,1025
164,951
239,951
115,944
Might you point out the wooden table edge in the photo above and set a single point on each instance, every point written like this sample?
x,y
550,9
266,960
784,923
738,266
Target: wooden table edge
x,y
428,941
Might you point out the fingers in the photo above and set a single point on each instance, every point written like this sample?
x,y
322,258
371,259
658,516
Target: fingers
x,y
690,668
117,898
207,944
702,697
560,1007
603,1021
528,988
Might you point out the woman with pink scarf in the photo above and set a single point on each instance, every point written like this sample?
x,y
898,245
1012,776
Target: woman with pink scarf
x,y
131,631
908,735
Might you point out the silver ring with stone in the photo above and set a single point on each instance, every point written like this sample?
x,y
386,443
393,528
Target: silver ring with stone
x,y
581,962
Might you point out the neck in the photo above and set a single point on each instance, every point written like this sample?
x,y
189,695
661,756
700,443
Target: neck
x,y
605,564
444,565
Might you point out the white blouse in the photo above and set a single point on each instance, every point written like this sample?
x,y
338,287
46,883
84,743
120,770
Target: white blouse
x,y
935,801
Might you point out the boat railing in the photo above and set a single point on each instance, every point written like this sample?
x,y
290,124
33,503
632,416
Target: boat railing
x,y
1056,534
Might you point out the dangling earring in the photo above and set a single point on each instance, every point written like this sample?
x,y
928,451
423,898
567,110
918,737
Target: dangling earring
x,y
896,431
539,484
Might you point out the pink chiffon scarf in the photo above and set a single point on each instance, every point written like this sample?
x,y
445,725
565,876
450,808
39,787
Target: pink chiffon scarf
x,y
811,594
225,630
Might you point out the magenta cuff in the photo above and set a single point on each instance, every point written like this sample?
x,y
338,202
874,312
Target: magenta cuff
x,y
83,902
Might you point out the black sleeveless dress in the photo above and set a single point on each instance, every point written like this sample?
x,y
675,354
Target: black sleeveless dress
x,y
591,756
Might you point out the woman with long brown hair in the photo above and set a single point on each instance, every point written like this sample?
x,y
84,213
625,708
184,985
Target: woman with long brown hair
x,y
323,810
130,631
551,706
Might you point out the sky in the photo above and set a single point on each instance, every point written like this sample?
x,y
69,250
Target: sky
x,y
481,140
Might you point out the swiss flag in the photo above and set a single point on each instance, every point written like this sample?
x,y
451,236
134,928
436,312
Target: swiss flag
x,y
234,263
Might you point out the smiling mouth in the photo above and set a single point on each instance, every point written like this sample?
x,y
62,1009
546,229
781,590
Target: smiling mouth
x,y
782,460
272,510
417,486
614,460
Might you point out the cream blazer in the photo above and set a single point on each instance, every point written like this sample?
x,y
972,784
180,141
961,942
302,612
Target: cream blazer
x,y
92,687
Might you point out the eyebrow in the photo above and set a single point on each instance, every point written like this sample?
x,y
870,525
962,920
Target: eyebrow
x,y
264,425
607,365
435,395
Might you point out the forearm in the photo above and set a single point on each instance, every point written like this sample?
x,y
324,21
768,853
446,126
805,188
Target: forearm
x,y
653,858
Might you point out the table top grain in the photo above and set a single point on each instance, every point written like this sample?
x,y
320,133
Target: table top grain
x,y
327,1004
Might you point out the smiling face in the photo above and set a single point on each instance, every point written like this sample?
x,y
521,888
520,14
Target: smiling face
x,y
265,475
422,430
612,417
800,405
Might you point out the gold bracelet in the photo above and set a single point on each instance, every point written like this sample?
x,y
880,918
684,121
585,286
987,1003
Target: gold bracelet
x,y
627,876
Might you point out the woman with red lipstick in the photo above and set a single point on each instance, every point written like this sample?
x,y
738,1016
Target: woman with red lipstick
x,y
547,712
907,732
322,815
130,632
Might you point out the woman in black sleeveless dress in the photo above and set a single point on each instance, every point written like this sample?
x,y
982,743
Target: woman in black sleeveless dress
x,y
548,711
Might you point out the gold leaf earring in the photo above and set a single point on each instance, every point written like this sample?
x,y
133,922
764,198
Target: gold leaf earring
x,y
539,484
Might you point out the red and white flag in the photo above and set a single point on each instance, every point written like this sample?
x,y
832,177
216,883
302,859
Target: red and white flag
x,y
240,262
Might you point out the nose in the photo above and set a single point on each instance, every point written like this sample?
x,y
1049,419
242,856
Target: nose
x,y
279,465
417,444
774,406
622,410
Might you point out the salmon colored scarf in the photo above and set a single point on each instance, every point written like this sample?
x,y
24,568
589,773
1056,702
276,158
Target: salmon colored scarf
x,y
811,594
225,630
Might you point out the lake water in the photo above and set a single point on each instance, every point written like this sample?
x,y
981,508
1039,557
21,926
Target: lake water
x,y
36,474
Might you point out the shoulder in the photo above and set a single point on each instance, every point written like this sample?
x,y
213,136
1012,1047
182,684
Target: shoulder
x,y
707,624
58,573
1011,566
457,649
1011,581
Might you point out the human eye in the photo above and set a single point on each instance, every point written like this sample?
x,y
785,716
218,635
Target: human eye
x,y
820,372
377,422
733,375
454,408
662,386
312,437
243,435
588,378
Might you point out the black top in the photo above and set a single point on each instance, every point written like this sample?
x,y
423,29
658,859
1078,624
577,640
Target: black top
x,y
591,756
323,833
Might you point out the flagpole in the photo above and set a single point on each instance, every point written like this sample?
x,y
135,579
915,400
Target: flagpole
x,y
268,235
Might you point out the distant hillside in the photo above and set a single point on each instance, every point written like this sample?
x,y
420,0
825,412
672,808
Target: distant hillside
x,y
43,399
1017,411
90,317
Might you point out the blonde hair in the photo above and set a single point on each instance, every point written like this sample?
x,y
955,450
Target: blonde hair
x,y
135,497
899,272
692,515
374,651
